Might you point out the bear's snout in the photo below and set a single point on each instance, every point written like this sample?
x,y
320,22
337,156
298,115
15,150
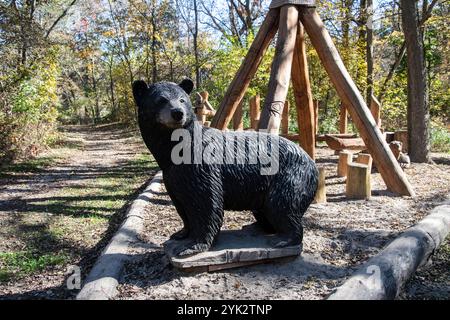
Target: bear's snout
x,y
177,114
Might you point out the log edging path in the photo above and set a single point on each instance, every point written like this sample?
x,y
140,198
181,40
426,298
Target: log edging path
x,y
384,275
102,281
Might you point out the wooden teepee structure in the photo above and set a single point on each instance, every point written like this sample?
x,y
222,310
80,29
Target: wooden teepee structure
x,y
291,18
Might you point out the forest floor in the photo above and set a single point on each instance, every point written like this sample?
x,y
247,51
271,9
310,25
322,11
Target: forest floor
x,y
61,209
339,236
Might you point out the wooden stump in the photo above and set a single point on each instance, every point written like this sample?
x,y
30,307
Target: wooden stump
x,y
358,182
207,124
345,158
238,122
255,111
365,158
321,194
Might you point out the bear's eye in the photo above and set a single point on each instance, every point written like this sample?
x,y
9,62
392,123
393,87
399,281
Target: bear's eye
x,y
182,100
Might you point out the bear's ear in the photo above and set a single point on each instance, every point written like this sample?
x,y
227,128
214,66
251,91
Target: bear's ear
x,y
139,90
187,85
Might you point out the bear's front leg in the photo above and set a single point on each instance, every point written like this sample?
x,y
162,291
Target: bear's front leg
x,y
202,233
197,190
184,232
205,218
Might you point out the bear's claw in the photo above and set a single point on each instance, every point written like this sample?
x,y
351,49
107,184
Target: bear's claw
x,y
283,243
189,250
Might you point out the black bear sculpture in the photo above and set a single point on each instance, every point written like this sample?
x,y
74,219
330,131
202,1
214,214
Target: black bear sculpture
x,y
207,171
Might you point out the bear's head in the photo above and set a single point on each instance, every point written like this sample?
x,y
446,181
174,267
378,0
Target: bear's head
x,y
165,105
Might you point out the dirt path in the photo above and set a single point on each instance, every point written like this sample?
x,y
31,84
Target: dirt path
x,y
62,215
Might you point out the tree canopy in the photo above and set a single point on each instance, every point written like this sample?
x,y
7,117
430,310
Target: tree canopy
x,y
73,61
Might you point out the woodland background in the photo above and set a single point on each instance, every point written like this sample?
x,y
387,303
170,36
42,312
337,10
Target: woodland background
x,y
73,61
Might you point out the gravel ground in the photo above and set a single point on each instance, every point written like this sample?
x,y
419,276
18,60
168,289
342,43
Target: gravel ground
x,y
339,236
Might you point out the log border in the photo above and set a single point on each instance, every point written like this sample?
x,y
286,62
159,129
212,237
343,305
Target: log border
x,y
103,279
383,276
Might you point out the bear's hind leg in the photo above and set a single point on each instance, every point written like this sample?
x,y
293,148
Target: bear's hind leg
x,y
288,239
286,218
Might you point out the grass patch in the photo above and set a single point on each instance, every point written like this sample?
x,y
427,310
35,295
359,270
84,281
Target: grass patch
x,y
17,264
73,219
30,166
62,149
440,138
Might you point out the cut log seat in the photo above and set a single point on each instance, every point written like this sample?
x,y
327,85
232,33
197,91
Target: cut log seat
x,y
292,137
339,144
323,137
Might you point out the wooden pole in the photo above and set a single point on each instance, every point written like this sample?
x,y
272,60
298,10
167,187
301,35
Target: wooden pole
x,y
358,182
255,111
306,116
343,121
248,68
285,119
389,168
280,75
321,194
375,109
238,123
316,116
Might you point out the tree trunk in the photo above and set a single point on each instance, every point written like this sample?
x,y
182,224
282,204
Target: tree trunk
x,y
96,111
197,63
418,109
369,51
346,19
111,86
154,62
